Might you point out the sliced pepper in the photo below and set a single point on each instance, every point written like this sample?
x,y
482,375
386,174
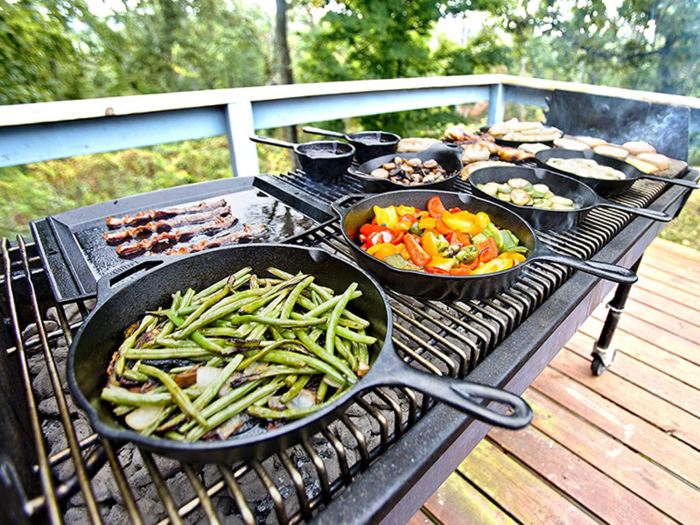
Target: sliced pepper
x,y
481,221
442,228
403,264
444,263
386,216
516,257
433,244
459,270
426,223
405,210
462,221
487,250
380,251
495,265
436,270
415,251
435,207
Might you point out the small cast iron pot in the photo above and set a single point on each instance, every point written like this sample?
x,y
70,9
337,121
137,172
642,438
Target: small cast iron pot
x,y
584,197
368,144
321,160
450,287
123,298
449,156
605,187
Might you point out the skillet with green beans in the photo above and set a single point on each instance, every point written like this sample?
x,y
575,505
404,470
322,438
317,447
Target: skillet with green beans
x,y
523,193
246,352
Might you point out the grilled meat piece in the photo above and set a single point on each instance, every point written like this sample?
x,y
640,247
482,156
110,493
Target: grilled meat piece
x,y
145,216
250,230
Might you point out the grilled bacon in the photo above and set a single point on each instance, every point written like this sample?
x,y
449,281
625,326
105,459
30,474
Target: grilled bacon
x,y
172,237
165,224
145,216
247,232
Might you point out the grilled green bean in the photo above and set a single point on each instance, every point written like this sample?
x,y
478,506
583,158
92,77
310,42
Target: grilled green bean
x,y
176,392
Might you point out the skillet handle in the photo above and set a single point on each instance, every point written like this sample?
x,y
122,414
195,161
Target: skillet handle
x,y
611,272
338,204
641,212
326,133
678,182
466,396
111,282
272,142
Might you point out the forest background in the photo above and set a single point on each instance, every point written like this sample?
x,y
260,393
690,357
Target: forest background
x,y
61,50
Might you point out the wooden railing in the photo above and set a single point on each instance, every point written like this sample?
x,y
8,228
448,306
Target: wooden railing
x,y
51,130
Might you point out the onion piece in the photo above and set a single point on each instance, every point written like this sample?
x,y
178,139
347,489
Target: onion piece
x,y
227,428
143,417
207,375
304,399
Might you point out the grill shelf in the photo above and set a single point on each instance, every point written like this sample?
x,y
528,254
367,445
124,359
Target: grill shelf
x,y
74,475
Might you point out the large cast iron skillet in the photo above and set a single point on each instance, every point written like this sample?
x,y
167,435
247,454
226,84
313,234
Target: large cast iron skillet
x,y
449,287
122,303
605,187
321,160
584,197
368,144
449,156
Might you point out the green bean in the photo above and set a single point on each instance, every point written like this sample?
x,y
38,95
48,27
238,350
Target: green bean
x,y
293,296
122,396
294,389
291,413
345,352
169,353
129,343
187,298
325,356
220,284
271,293
324,307
169,342
271,310
348,317
321,392
291,379
223,402
335,317
122,410
323,291
197,337
283,357
211,301
231,410
179,397
287,323
132,375
175,436
258,355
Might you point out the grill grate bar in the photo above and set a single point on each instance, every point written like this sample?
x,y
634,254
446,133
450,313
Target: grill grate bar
x,y
123,484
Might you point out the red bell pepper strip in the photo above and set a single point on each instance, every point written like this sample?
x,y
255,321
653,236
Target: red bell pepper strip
x,y
487,250
435,207
415,251
460,270
436,270
459,238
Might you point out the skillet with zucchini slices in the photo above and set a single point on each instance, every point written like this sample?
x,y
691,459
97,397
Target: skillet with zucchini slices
x,y
523,193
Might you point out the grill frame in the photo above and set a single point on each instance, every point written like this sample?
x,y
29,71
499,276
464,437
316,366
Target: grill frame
x,y
422,459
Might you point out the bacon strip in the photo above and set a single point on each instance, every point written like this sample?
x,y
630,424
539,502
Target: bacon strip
x,y
248,231
145,216
173,237
165,224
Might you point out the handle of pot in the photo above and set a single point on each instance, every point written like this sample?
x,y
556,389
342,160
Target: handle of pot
x,y
337,205
272,142
678,182
318,131
466,396
641,212
354,171
111,282
611,272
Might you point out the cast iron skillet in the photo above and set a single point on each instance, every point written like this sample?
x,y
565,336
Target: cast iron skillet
x,y
449,156
450,287
121,303
585,199
368,144
516,143
321,160
605,187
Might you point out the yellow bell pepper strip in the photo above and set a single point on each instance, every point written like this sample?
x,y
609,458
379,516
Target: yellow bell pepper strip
x,y
462,221
426,223
494,265
434,244
387,217
380,251
444,263
405,210
481,222
415,251
516,257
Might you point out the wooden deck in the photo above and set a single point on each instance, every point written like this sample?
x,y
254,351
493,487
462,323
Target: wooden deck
x,y
622,448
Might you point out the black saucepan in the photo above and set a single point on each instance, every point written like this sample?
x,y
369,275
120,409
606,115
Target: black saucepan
x,y
321,160
449,156
515,143
605,187
368,144
585,199
121,304
450,287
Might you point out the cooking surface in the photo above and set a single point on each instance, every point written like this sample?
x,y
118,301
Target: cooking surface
x,y
463,339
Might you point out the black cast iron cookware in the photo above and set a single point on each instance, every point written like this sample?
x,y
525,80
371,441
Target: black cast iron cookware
x,y
605,187
368,144
515,143
122,303
321,160
450,287
585,199
449,156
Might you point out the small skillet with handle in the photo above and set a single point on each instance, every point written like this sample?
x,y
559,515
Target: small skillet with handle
x,y
585,199
121,302
605,187
368,144
450,287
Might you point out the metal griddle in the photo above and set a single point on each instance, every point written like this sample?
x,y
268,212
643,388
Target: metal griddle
x,y
76,255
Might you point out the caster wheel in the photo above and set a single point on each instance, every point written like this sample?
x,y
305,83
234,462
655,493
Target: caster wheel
x,y
597,366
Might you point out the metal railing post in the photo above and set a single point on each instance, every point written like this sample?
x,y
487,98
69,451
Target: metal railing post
x,y
240,124
497,103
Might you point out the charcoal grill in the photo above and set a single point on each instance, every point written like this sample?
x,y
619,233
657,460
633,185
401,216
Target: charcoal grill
x,y
385,455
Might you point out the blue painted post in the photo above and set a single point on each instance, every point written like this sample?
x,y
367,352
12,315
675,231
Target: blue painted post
x,y
239,127
496,104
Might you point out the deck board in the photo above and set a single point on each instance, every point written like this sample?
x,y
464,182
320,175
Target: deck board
x,y
623,448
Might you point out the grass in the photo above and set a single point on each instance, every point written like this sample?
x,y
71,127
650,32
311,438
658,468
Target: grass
x,y
685,229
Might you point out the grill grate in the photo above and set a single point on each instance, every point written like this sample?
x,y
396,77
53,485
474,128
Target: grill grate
x,y
81,477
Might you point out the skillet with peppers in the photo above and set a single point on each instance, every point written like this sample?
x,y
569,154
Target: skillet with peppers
x,y
440,241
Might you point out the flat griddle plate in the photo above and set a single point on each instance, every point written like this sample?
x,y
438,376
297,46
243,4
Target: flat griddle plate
x,y
75,255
